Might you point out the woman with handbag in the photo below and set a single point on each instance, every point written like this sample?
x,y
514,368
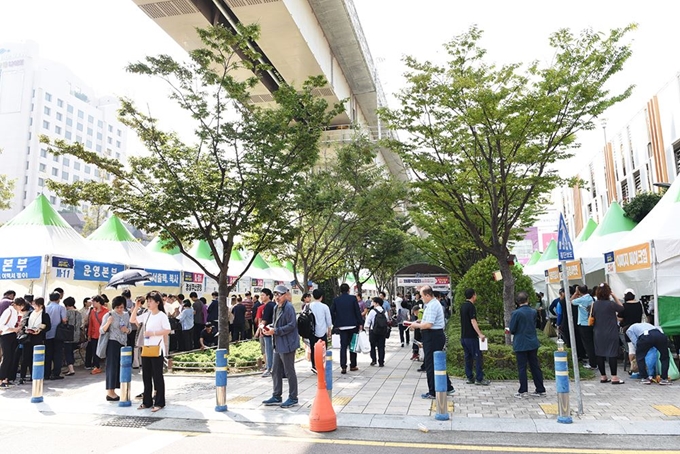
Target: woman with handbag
x,y
117,324
74,319
606,331
9,321
156,327
37,327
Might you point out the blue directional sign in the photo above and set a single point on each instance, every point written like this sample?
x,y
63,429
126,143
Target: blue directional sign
x,y
565,250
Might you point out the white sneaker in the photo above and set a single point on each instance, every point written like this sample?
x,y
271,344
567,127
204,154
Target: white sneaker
x,y
266,374
521,395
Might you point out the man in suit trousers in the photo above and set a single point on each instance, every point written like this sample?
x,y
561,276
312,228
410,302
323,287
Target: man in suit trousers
x,y
346,319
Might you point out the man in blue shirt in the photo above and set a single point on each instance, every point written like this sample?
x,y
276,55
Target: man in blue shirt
x,y
525,344
645,336
54,348
432,330
583,300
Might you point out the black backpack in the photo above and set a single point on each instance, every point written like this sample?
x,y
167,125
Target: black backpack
x,y
306,324
380,326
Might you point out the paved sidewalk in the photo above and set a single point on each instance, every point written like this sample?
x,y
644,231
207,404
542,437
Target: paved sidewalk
x,y
387,397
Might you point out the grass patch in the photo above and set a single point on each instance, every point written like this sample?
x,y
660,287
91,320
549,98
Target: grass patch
x,y
500,362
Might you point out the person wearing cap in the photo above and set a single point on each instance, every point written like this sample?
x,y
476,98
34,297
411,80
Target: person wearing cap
x,y
633,312
644,336
348,320
286,342
208,337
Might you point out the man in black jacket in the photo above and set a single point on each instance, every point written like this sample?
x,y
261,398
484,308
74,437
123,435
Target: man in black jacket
x,y
348,321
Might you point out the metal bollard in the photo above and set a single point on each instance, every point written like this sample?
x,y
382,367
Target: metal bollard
x,y
125,376
38,373
442,413
221,363
562,387
329,373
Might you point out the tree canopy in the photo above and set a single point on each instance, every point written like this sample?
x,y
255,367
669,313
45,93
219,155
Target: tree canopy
x,y
485,142
233,183
640,205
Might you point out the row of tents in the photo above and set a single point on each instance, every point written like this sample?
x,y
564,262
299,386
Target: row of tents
x,y
644,256
39,251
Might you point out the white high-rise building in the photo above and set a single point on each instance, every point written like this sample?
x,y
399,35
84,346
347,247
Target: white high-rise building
x,y
37,97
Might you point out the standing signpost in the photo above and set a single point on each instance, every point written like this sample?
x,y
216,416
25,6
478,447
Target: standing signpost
x,y
565,251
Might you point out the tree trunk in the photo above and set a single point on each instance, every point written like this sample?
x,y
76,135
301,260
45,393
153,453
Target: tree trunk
x,y
223,290
508,292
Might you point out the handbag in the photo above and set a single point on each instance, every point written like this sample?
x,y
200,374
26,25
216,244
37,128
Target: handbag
x,y
102,343
65,332
591,319
354,343
152,351
335,341
364,342
673,373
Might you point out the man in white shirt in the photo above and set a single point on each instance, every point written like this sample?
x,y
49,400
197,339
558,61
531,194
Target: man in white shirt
x,y
322,322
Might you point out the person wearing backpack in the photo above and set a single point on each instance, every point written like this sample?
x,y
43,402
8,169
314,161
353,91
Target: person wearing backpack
x,y
322,322
377,327
347,320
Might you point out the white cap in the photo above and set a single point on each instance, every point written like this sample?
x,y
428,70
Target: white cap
x,y
629,290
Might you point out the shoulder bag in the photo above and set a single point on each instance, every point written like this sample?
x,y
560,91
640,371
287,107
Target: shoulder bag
x,y
65,332
591,319
152,351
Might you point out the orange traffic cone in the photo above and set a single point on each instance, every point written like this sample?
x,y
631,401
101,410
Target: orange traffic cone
x,y
322,416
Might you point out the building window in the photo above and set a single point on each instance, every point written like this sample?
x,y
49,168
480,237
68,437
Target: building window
x,y
110,128
42,167
41,182
624,191
60,117
100,124
64,175
117,155
68,135
69,122
47,110
637,181
57,129
90,119
69,108
79,126
48,97
119,132
55,171
53,200
676,154
88,143
76,178
99,148
28,151
65,161
76,165
60,103
87,169
81,114
99,136
118,143
46,124
108,139
79,139
89,132
43,153
96,172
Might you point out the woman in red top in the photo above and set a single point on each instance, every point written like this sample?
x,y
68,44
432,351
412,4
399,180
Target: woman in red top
x,y
96,316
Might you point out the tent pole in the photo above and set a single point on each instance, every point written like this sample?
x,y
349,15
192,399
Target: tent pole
x,y
44,289
583,273
656,286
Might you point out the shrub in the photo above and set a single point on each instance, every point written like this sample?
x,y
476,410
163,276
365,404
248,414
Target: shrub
x,y
489,292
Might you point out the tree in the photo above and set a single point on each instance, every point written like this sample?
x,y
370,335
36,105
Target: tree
x,y
94,217
490,307
231,185
639,206
485,142
384,274
338,203
6,191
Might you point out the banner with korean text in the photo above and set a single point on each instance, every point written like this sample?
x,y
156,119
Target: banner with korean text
x,y
17,268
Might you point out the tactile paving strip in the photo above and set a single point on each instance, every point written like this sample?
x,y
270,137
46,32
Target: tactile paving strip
x,y
130,421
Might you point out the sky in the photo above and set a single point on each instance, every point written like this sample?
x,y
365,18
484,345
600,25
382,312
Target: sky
x,y
97,38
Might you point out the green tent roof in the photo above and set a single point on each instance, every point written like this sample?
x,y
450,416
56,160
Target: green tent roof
x,y
259,263
588,230
614,221
164,247
550,252
289,266
236,255
201,250
39,212
274,263
112,230
534,258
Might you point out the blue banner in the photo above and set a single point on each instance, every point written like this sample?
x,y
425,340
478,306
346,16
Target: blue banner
x,y
14,268
95,271
162,278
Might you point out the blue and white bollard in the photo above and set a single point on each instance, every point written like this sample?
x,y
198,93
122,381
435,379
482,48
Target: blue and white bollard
x,y
221,363
562,387
442,413
38,373
125,376
329,373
